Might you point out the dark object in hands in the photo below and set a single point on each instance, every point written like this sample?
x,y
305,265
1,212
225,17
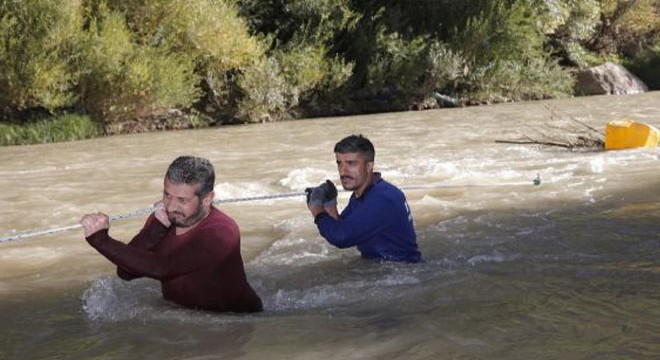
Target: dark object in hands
x,y
322,195
330,193
315,196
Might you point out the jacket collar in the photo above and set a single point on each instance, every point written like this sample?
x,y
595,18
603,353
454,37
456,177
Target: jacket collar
x,y
375,178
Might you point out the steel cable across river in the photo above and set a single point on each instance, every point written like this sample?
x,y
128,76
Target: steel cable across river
x,y
567,269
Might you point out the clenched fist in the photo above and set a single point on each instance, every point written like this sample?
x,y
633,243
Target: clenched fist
x,y
92,223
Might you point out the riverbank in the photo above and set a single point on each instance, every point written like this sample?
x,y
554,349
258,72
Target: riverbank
x,y
72,127
122,68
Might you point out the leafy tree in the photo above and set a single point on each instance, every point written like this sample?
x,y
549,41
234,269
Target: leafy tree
x,y
299,66
126,79
37,49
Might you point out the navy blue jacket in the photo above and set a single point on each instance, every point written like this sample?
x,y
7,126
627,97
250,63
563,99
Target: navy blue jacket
x,y
379,223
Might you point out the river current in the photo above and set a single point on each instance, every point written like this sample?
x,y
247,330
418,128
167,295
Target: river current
x,y
568,269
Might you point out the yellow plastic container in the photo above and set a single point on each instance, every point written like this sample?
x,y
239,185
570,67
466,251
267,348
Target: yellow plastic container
x,y
627,134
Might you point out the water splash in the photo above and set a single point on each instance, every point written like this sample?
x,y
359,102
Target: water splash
x,y
112,299
298,179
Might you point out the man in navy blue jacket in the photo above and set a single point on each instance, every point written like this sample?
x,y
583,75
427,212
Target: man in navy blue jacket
x,y
377,219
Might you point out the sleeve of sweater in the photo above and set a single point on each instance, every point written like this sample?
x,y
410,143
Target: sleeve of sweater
x,y
207,248
359,225
151,235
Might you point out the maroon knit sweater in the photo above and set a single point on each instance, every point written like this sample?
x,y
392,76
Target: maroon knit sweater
x,y
201,269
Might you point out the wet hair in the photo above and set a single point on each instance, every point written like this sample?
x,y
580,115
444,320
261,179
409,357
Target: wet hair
x,y
192,170
356,144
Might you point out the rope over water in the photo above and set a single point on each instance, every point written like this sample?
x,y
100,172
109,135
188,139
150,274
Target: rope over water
x,y
148,210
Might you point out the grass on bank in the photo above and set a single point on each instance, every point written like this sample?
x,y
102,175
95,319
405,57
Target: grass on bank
x,y
63,128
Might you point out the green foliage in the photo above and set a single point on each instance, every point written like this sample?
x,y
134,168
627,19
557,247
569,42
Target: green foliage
x,y
59,129
501,32
175,44
265,91
569,20
298,21
298,67
515,81
212,32
400,63
631,26
258,60
37,47
274,86
504,52
303,68
645,65
337,74
219,41
591,32
434,18
445,67
125,79
393,65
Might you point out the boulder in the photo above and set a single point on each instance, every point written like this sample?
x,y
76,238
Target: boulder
x,y
608,79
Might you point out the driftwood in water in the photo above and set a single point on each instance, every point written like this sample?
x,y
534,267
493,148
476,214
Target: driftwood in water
x,y
567,132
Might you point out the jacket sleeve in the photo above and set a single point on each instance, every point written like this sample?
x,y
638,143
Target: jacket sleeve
x,y
206,249
359,225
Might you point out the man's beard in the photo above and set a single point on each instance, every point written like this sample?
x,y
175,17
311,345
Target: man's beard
x,y
189,221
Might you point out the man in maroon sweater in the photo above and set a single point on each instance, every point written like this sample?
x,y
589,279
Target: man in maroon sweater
x,y
189,245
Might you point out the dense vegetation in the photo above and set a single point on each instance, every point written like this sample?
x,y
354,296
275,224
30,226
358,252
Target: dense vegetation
x,y
72,69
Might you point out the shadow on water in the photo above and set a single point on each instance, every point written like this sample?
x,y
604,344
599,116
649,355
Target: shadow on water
x,y
52,326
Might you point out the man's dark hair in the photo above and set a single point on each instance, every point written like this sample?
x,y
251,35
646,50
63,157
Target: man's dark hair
x,y
192,170
356,144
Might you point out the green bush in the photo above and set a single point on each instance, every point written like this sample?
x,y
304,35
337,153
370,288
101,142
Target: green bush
x,y
504,52
309,69
631,26
258,60
58,129
589,33
504,81
300,33
124,79
266,92
275,86
500,32
207,36
298,21
400,63
218,39
645,65
37,48
445,67
211,31
329,91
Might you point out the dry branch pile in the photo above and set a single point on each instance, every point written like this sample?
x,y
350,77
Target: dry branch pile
x,y
562,130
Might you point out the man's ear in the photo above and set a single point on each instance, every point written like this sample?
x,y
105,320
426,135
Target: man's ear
x,y
208,199
370,166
